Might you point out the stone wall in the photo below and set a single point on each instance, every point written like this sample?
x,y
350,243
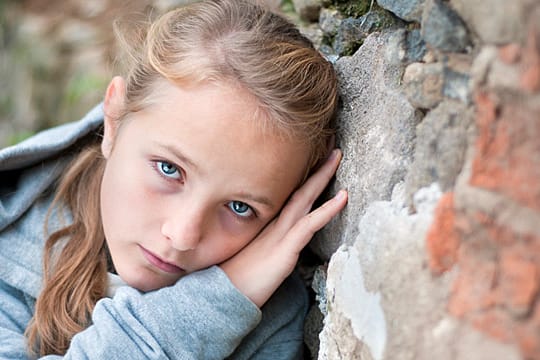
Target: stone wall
x,y
437,255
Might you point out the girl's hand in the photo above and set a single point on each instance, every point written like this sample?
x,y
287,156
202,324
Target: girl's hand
x,y
259,268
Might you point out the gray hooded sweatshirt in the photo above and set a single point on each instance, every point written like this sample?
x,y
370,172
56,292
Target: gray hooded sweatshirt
x,y
202,316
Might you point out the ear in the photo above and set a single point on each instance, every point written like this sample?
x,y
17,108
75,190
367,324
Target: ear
x,y
113,107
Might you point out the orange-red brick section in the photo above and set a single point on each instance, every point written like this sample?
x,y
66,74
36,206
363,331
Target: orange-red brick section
x,y
442,239
508,149
497,285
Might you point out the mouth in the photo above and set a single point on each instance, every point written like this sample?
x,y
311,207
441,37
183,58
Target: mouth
x,y
160,263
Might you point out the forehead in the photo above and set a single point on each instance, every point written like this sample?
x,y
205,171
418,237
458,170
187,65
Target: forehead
x,y
223,131
221,112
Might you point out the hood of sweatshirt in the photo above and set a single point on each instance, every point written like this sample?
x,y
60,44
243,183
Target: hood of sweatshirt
x,y
27,171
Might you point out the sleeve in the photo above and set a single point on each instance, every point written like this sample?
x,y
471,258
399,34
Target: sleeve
x,y
203,316
14,317
280,334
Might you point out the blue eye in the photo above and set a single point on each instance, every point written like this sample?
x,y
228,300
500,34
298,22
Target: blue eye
x,y
240,208
168,170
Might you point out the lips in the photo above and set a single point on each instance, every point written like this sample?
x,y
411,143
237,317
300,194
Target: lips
x,y
160,263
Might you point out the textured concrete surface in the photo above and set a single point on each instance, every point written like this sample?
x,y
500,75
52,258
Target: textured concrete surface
x,y
377,130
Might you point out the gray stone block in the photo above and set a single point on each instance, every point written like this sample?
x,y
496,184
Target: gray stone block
x,y
329,21
441,142
423,84
442,28
495,22
410,10
376,133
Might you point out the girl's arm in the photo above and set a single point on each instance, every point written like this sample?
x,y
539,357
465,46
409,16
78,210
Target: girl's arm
x,y
202,316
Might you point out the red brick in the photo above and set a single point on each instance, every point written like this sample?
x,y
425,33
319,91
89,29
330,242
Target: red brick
x,y
518,281
442,240
473,289
498,283
496,323
507,158
518,265
528,337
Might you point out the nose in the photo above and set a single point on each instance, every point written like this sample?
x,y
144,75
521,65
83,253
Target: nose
x,y
184,228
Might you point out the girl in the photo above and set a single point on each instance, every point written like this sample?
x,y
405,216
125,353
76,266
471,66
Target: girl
x,y
171,231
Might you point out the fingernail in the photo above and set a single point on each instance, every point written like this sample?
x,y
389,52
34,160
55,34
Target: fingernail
x,y
340,195
333,155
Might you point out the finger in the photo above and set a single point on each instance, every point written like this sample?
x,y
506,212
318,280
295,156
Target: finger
x,y
302,232
302,200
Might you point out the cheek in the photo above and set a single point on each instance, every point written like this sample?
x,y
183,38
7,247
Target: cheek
x,y
124,201
230,225
234,234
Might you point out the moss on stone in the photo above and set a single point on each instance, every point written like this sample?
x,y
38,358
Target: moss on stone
x,y
352,8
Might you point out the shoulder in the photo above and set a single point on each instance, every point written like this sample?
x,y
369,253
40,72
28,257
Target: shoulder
x,y
28,172
29,168
21,248
50,142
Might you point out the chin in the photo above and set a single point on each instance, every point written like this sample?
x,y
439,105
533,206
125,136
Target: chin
x,y
145,281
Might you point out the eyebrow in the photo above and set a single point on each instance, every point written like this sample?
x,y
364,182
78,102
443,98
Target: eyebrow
x,y
263,200
258,199
178,154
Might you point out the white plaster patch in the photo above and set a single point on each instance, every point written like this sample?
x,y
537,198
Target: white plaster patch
x,y
347,294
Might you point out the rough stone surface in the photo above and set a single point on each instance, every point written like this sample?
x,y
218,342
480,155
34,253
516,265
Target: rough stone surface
x,y
351,32
442,28
349,36
317,312
427,275
312,327
407,10
494,21
424,84
414,47
456,85
391,313
441,140
329,21
377,130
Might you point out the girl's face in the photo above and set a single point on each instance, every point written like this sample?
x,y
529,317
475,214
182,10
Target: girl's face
x,y
189,181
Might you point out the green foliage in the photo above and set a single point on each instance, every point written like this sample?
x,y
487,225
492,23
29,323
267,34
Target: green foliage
x,y
351,48
81,85
287,6
18,137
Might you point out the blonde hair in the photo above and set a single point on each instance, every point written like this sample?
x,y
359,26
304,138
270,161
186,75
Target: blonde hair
x,y
226,41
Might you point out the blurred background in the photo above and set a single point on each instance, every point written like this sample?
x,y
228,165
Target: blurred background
x,y
56,58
